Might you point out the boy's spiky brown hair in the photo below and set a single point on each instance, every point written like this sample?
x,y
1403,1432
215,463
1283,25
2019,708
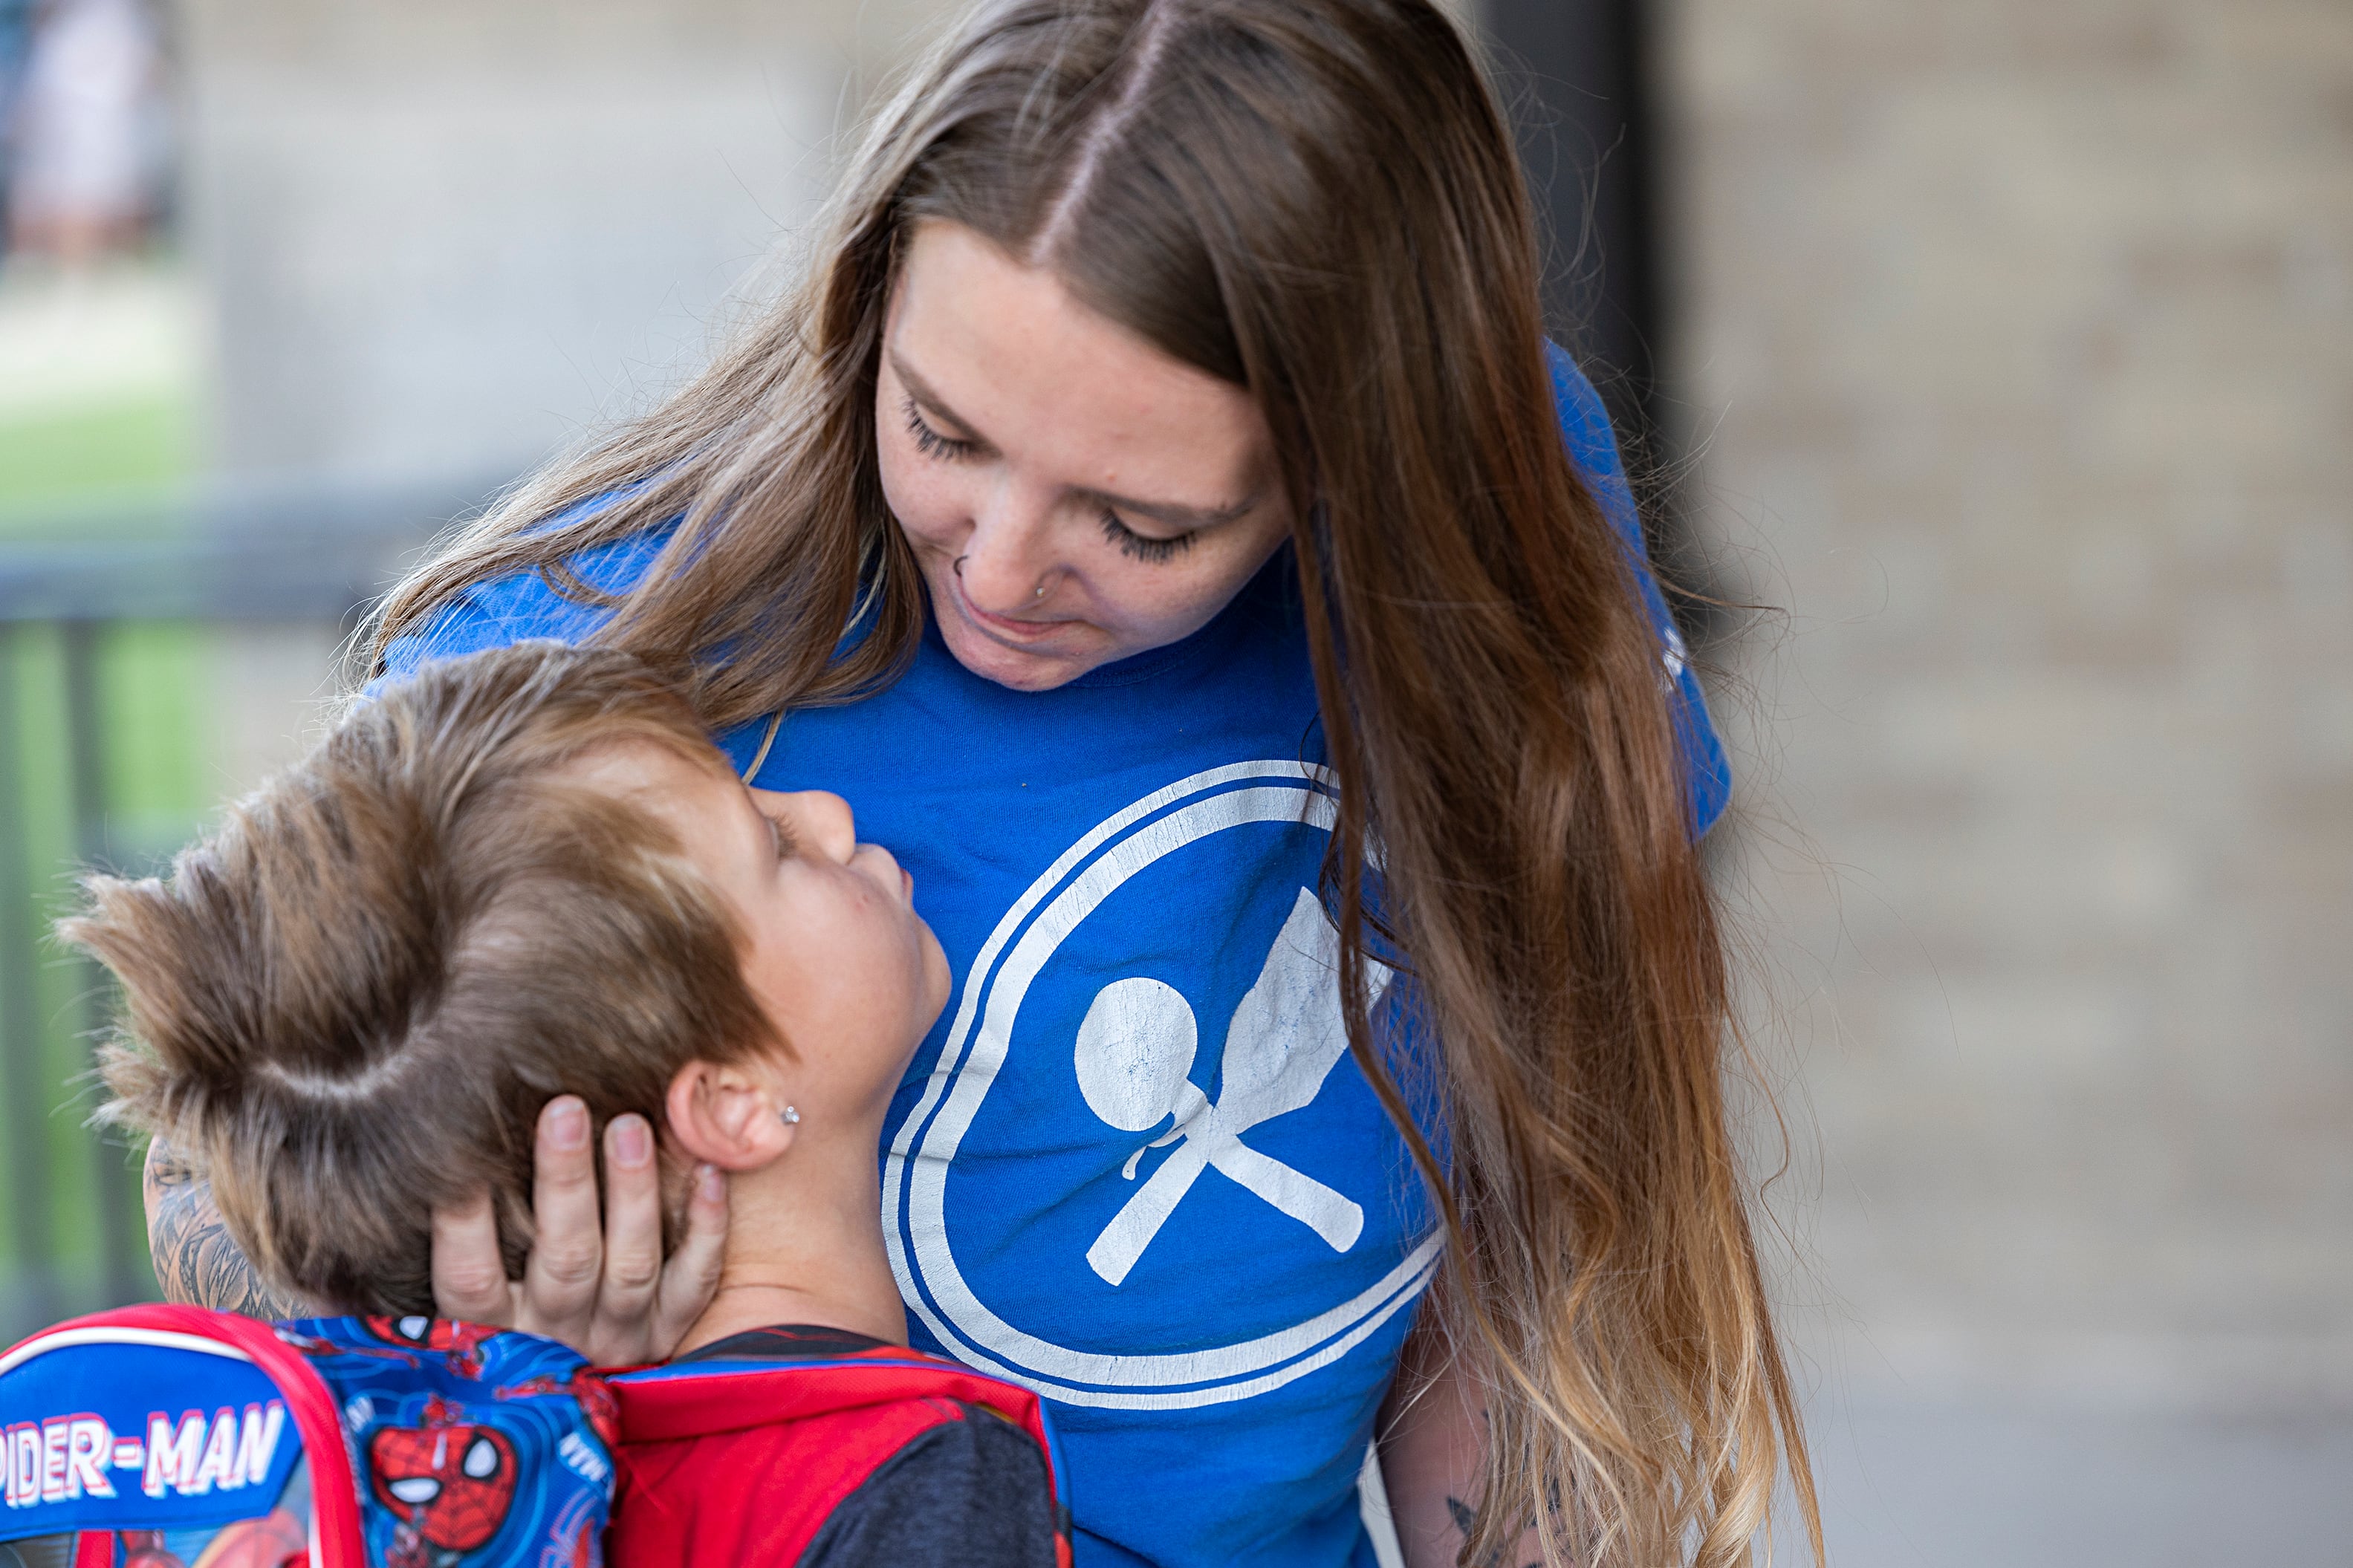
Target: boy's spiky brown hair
x,y
349,1004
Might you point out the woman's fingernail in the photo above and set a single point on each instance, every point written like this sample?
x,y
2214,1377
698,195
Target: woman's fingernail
x,y
712,1186
567,1124
631,1145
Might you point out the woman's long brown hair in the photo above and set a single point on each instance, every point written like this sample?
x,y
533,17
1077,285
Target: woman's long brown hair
x,y
1317,200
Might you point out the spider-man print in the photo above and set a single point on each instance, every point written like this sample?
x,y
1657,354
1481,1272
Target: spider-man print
x,y
596,1400
316,1346
461,1343
477,1444
449,1483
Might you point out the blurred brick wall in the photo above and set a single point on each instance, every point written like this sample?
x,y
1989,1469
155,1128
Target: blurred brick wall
x,y
2018,346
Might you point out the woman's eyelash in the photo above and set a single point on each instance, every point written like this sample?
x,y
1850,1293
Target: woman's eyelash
x,y
930,442
1140,546
780,838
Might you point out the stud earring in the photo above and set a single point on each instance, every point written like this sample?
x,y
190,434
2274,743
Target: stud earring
x,y
789,1116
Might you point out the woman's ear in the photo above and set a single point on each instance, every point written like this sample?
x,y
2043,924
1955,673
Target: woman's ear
x,y
731,1117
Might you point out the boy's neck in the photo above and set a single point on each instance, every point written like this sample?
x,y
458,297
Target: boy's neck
x,y
805,1245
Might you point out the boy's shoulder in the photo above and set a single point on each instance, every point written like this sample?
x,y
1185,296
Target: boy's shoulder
x,y
813,1445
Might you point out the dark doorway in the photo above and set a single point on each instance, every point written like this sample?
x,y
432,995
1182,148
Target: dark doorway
x,y
1579,77
1576,77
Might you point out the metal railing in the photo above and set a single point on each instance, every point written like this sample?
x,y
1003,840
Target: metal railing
x,y
75,1234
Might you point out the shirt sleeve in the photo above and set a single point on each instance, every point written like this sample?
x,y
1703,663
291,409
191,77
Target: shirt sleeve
x,y
520,607
965,1494
1593,447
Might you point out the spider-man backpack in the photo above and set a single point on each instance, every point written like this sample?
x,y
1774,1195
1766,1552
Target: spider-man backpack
x,y
168,1437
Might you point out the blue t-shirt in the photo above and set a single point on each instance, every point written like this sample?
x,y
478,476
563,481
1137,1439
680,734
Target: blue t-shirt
x,y
1134,1166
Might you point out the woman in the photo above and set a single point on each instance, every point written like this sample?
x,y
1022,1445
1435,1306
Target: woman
x,y
1153,518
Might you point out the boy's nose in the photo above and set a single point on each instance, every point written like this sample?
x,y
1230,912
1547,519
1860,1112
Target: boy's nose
x,y
818,821
825,825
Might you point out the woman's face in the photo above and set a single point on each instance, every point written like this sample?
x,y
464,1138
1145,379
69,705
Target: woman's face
x,y
1074,495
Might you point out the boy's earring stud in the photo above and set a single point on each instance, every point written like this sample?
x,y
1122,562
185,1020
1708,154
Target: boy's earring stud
x,y
789,1116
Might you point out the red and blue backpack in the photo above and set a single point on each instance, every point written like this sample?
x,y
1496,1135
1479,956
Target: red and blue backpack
x,y
169,1437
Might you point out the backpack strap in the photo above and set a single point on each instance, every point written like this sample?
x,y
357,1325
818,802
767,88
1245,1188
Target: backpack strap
x,y
867,1405
89,1453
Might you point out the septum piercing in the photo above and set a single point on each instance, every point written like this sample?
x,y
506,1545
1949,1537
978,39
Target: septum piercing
x,y
789,1116
957,567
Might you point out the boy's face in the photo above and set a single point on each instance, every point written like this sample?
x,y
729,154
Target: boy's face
x,y
847,970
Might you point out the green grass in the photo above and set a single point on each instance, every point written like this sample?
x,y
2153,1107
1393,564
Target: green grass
x,y
153,696
117,449
47,837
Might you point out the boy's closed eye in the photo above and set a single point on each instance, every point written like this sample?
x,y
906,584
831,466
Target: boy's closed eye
x,y
781,836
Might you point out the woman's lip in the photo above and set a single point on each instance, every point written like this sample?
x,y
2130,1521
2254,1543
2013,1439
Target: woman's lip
x,y
1025,631
907,882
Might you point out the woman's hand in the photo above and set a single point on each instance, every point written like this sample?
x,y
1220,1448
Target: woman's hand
x,y
607,1294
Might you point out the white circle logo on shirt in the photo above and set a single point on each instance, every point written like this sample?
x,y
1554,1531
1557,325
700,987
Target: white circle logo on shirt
x,y
1131,1058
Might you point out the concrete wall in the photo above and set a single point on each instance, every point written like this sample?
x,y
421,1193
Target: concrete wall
x,y
2016,345
434,241
441,236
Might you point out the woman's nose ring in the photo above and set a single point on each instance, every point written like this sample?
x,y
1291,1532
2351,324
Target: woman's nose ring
x,y
1043,583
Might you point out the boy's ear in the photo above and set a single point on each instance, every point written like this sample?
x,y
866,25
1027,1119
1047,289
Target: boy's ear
x,y
727,1116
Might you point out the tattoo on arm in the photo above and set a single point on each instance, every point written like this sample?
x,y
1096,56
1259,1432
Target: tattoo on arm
x,y
1466,1518
196,1261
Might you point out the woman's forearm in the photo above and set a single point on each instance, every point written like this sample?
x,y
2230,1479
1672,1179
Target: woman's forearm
x,y
1433,1435
196,1262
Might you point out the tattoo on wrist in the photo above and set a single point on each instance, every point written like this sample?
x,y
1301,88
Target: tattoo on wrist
x,y
1466,1520
196,1260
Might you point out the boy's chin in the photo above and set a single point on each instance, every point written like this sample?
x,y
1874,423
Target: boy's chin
x,y
936,982
935,1001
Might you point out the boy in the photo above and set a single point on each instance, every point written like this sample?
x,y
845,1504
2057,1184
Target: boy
x,y
527,874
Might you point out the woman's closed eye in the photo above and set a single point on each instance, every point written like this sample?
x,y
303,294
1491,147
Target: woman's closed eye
x,y
1142,546
780,838
930,442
